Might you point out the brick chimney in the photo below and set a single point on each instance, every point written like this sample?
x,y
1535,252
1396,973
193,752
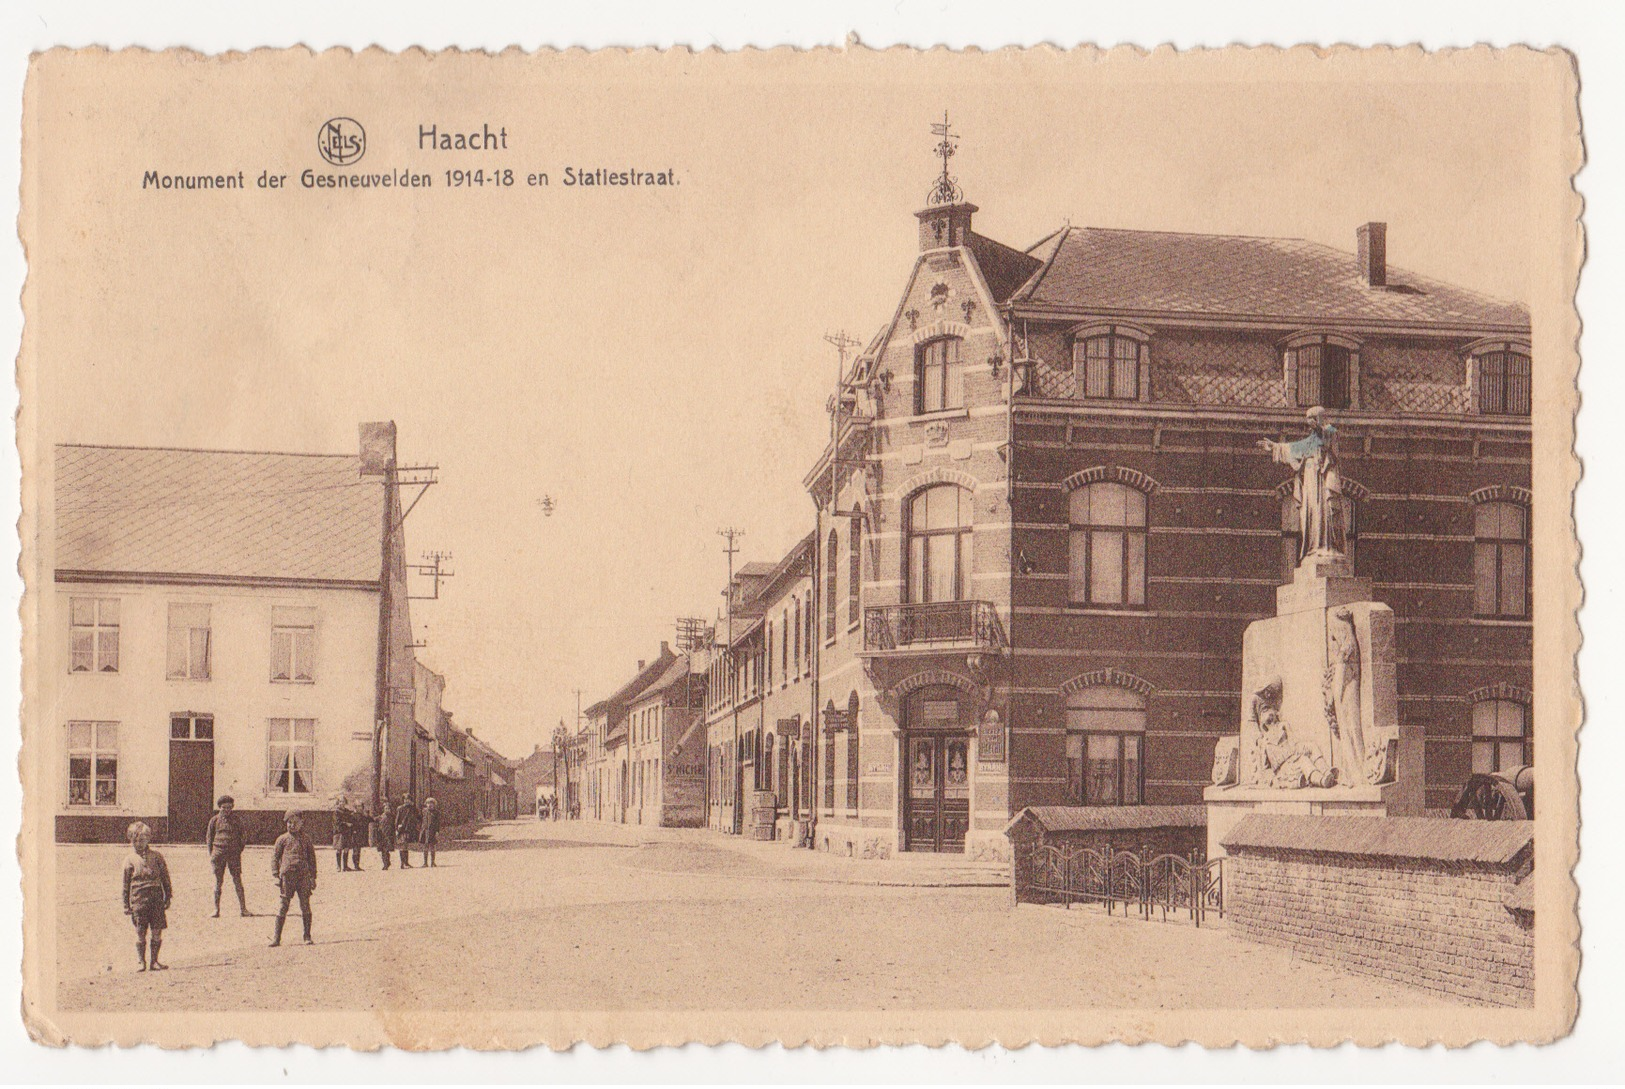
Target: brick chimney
x,y
943,225
1371,248
377,447
641,664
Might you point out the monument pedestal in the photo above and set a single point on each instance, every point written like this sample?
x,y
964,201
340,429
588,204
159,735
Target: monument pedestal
x,y
1292,663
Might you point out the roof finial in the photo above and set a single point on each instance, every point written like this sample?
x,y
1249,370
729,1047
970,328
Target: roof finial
x,y
945,191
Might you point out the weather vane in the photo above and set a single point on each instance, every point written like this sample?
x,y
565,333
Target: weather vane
x,y
945,191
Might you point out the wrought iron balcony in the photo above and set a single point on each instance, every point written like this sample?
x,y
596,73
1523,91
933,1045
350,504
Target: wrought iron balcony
x,y
938,625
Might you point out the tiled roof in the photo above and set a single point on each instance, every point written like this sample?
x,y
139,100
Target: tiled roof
x,y
131,510
1103,270
673,673
1102,818
1438,839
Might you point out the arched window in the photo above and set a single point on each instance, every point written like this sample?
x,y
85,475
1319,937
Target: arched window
x,y
939,536
1500,735
784,644
832,555
1501,560
1108,365
854,570
1105,728
1501,380
767,650
1292,531
1108,530
939,381
1321,370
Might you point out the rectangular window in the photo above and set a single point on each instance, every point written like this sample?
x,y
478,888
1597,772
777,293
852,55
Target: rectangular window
x,y
1323,375
854,573
939,377
1108,367
1105,731
1503,383
291,756
94,624
1500,736
190,727
189,636
93,763
293,644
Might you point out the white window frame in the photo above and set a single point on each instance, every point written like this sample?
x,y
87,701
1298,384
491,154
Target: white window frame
x,y
292,744
179,629
95,751
297,635
98,627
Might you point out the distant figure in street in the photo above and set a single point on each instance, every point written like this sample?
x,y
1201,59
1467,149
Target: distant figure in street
x,y
381,832
341,831
406,830
224,839
431,830
147,895
356,824
293,865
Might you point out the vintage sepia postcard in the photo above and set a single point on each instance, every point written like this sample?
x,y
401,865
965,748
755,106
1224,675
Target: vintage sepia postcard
x,y
844,547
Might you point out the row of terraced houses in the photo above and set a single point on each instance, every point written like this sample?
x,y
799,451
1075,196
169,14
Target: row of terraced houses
x,y
1042,524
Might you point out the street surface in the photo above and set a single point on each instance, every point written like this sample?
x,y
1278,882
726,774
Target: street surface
x,y
537,915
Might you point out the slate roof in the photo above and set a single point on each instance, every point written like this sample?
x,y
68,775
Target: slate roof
x,y
1121,271
231,514
673,673
1435,838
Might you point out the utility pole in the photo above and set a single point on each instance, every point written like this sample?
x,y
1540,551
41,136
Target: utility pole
x,y
732,535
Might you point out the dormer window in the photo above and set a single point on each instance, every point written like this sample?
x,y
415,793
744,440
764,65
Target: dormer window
x,y
1109,363
1501,378
1322,370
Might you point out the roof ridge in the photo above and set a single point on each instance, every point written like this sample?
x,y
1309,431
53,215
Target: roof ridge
x,y
196,450
1213,234
1030,285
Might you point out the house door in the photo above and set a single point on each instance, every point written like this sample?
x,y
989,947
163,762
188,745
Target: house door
x,y
936,798
191,776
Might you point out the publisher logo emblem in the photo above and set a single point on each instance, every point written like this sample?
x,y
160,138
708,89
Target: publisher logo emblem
x,y
341,141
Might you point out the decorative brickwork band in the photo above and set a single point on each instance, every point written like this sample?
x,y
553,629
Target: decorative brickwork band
x,y
1503,492
939,329
938,475
1115,678
1132,477
928,678
1502,691
1352,488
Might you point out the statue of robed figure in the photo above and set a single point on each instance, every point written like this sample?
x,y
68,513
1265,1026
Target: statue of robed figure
x,y
1317,486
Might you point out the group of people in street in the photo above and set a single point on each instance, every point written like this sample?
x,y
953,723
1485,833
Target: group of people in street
x,y
148,893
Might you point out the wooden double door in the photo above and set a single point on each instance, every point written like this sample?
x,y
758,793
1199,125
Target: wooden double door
x,y
936,791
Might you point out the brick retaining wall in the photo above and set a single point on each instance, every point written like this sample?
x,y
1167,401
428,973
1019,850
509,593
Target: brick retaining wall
x,y
1436,904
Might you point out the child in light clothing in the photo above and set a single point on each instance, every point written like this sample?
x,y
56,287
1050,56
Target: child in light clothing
x,y
147,895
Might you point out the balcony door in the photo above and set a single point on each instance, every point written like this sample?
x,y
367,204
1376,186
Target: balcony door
x,y
936,771
939,541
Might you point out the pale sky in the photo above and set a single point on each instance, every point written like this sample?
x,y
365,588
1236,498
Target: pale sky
x,y
653,358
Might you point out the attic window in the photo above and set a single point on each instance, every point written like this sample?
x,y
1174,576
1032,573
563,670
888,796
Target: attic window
x,y
1109,361
1322,370
1501,379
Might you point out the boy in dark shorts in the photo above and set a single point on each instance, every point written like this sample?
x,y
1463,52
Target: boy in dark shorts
x,y
430,830
146,894
224,840
293,864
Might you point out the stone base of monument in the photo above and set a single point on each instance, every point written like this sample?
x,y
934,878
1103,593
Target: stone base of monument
x,y
1293,671
1227,805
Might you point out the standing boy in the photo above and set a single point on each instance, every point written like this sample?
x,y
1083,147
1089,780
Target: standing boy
x,y
341,830
406,830
382,832
146,894
224,840
431,830
293,864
